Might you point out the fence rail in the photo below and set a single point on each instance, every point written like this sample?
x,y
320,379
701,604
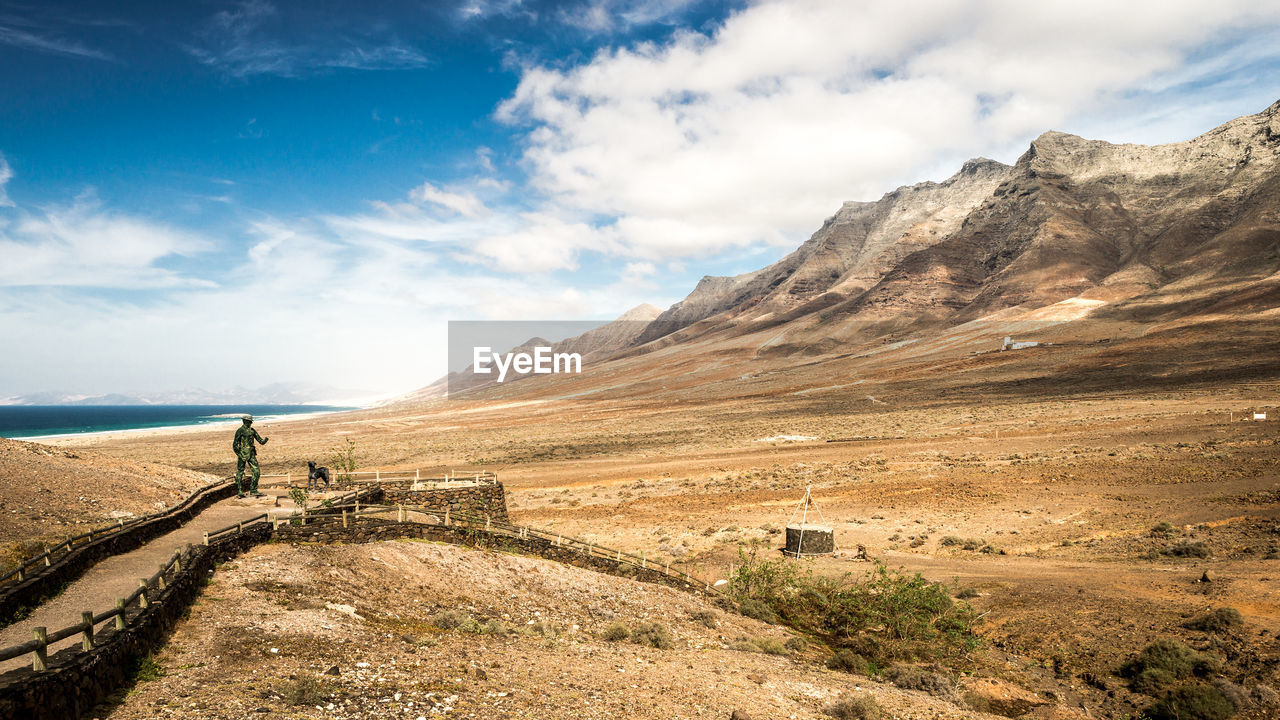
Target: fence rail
x,y
451,478
57,552
345,509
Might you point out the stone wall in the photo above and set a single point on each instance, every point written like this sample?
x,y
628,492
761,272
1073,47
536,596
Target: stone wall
x,y
482,500
48,582
77,681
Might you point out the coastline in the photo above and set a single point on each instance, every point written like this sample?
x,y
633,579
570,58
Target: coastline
x,y
221,425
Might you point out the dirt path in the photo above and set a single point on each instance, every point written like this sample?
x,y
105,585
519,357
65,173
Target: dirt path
x,y
118,576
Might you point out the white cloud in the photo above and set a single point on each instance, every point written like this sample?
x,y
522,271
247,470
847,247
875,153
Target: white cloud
x,y
6,174
26,39
87,246
235,43
463,203
754,133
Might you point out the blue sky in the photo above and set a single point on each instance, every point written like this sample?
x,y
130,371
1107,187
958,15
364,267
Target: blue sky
x,y
212,194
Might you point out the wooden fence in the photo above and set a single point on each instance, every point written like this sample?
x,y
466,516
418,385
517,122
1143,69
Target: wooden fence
x,y
347,509
39,563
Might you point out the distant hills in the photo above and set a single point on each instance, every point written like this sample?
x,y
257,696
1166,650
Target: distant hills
x,y
299,393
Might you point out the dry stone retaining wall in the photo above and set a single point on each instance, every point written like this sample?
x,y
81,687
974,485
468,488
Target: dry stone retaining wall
x,y
482,500
50,581
77,681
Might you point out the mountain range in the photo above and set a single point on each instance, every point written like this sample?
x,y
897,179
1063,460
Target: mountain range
x,y
1116,240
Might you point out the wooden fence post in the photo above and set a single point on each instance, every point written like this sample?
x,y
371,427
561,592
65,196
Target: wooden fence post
x,y
120,617
40,656
142,597
22,573
487,521
446,516
160,583
344,518
399,513
86,637
206,539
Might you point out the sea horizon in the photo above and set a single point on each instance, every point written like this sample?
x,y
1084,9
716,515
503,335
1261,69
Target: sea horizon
x,y
36,422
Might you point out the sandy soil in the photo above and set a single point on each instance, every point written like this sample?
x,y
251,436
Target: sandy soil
x,y
365,615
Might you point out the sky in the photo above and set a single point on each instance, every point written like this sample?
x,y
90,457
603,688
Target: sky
x,y
217,194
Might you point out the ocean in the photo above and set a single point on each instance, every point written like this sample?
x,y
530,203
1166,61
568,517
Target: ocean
x,y
20,422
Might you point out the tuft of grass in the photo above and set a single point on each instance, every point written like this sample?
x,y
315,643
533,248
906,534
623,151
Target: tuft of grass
x,y
705,618
616,632
1218,620
1187,549
1163,529
1192,702
854,707
909,677
146,669
770,646
797,644
967,593
303,690
653,635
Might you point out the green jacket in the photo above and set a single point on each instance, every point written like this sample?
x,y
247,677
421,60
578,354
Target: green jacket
x,y
243,444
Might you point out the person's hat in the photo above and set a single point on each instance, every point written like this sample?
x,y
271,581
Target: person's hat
x,y
247,418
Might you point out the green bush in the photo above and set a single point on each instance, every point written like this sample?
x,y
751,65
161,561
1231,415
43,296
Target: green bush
x,y
757,610
860,707
1163,663
848,661
797,644
1218,620
1192,702
886,613
705,618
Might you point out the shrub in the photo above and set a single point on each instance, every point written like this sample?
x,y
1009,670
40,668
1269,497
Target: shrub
x,y
849,707
951,541
797,644
652,634
616,632
1163,529
1164,662
343,461
885,614
757,610
303,690
1187,549
1218,620
706,618
457,620
770,646
1192,702
967,593
908,677
848,661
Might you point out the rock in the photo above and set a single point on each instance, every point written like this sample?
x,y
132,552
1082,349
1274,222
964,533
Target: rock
x,y
999,697
333,670
739,715
756,678
1204,577
481,674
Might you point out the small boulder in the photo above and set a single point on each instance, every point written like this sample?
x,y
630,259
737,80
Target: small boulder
x,y
739,715
333,670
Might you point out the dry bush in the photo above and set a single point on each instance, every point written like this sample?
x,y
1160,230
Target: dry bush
x,y
854,707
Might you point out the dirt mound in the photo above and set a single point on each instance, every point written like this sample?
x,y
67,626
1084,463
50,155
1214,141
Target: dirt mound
x,y
48,493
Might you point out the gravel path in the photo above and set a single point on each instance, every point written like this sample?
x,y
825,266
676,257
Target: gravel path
x,y
118,576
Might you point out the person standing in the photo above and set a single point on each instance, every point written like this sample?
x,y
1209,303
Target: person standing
x,y
247,454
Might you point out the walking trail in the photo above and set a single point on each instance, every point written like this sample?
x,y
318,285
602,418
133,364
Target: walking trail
x,y
118,575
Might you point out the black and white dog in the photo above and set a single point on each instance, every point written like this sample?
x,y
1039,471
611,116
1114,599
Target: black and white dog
x,y
315,475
